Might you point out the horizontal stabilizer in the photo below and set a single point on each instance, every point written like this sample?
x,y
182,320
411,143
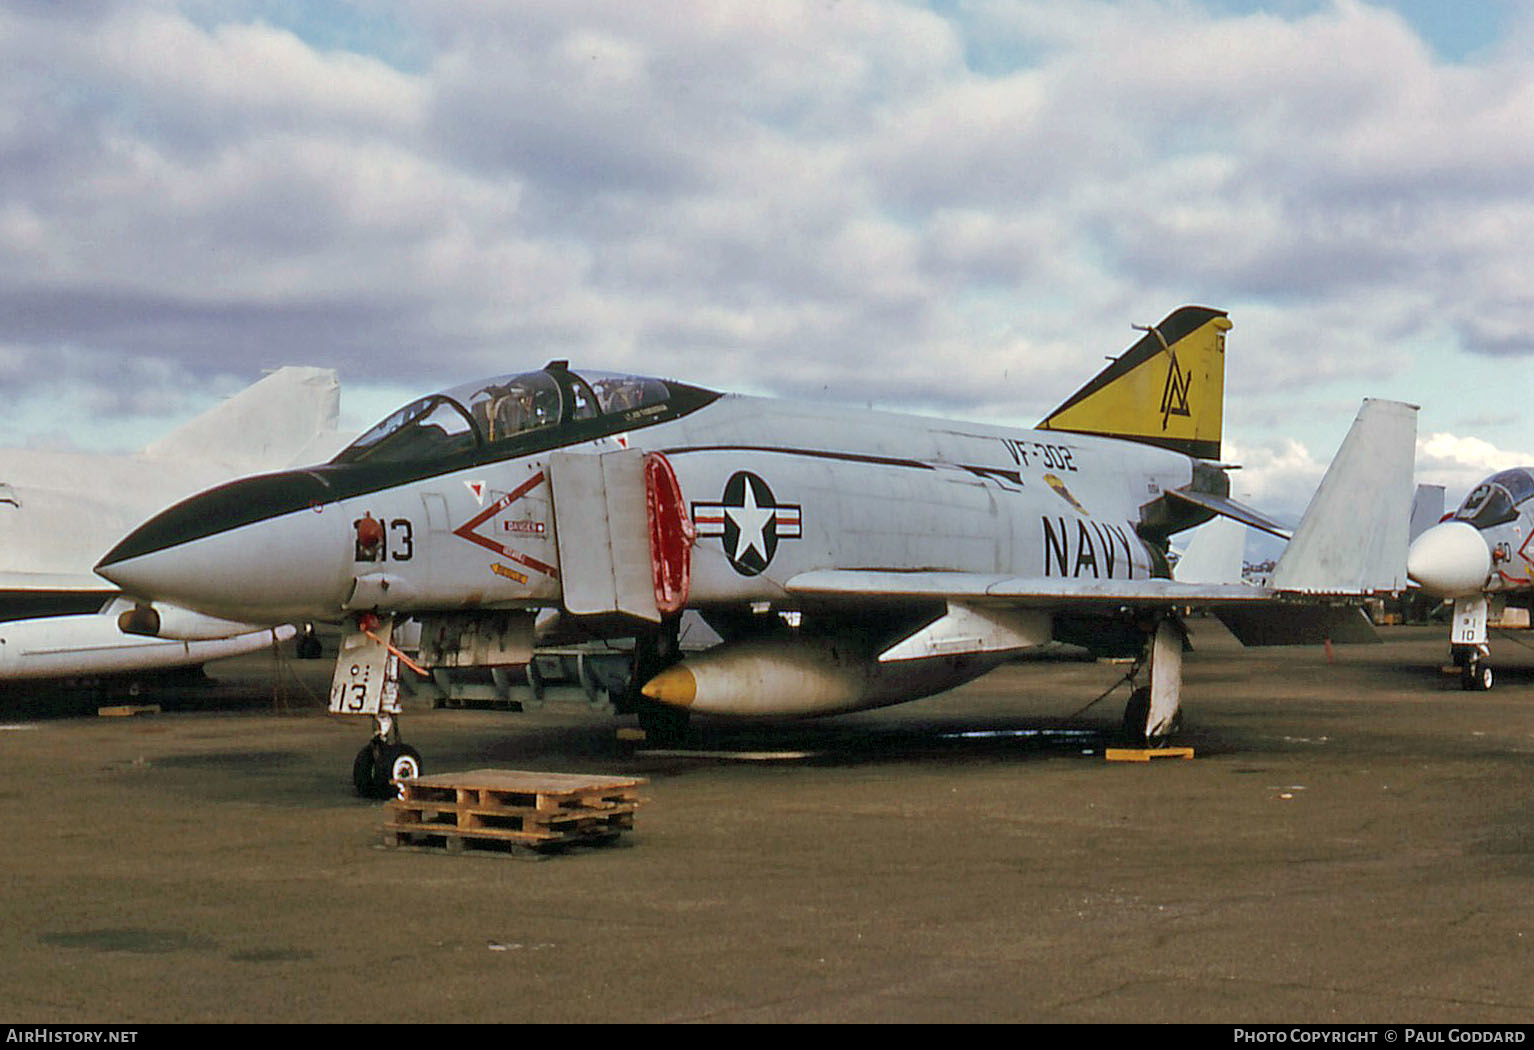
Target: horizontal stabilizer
x,y
1352,539
1284,623
1226,507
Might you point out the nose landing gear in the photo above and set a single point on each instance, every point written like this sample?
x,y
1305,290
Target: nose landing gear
x,y
366,682
1474,670
384,760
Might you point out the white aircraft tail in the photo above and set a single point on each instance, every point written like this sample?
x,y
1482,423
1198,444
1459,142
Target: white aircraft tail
x,y
1215,553
1353,537
1426,509
287,418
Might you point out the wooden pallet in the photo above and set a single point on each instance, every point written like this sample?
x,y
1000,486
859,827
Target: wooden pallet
x,y
508,811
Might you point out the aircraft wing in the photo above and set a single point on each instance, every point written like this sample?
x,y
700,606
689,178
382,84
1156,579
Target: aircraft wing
x,y
983,610
1020,591
55,584
55,581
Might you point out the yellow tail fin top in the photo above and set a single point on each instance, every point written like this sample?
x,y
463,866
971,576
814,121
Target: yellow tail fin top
x,y
1168,389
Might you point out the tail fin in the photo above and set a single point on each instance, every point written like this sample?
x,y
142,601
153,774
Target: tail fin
x,y
266,426
1167,390
1426,510
1214,554
1352,538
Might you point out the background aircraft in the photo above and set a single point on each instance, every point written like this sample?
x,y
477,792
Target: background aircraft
x,y
60,510
847,558
1482,560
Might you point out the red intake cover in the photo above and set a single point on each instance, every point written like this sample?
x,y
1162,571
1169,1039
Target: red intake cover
x,y
671,535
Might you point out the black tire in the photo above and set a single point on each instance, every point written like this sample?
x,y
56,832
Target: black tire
x,y
1476,676
1136,711
662,724
365,771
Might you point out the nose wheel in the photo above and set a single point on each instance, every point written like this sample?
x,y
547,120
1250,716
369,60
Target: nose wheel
x,y
1474,672
1474,666
382,761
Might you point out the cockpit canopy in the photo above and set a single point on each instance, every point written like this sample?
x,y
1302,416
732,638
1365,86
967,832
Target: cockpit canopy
x,y
498,412
1496,499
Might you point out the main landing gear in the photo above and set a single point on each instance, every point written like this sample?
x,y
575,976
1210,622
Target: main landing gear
x,y
1154,711
308,644
663,724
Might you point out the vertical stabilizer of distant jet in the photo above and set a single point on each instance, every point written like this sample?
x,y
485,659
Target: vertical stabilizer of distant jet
x,y
1214,554
1166,390
1426,509
274,423
1353,536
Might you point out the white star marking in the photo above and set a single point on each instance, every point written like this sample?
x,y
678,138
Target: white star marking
x,y
751,520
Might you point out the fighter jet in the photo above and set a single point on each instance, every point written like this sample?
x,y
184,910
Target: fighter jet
x,y
847,558
1480,559
60,510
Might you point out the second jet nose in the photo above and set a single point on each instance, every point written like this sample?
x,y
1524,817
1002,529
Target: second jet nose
x,y
1450,560
264,549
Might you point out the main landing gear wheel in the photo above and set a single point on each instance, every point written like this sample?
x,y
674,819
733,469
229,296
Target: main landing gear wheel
x,y
1136,711
378,764
662,723
308,646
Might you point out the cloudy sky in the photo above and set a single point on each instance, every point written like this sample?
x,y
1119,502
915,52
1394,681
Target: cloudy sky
x,y
950,207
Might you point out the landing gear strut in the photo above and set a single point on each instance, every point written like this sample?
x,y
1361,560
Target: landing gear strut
x,y
366,682
653,653
1154,711
1468,642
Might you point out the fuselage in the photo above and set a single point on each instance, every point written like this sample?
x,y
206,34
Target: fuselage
x,y
449,504
1484,547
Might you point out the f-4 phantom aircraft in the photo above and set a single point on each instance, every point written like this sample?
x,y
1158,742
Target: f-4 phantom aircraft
x,y
848,559
1482,559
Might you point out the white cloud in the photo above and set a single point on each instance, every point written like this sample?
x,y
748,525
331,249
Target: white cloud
x,y
959,210
1459,463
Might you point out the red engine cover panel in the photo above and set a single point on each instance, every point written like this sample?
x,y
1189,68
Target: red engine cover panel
x,y
671,535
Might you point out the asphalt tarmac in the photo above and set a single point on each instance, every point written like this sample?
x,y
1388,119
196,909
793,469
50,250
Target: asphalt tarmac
x,y
1352,843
